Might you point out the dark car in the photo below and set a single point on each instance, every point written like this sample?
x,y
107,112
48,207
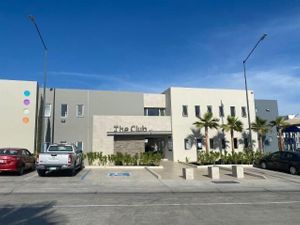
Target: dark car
x,y
283,161
16,160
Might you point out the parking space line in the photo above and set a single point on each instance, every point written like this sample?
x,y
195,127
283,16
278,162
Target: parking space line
x,y
27,178
84,175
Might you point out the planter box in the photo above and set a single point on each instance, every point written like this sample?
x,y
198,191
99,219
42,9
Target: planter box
x,y
214,172
188,173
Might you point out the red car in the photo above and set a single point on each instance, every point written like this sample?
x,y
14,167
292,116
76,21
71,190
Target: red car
x,y
16,160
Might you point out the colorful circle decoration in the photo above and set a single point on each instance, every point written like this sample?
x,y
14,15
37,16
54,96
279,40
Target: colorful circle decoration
x,y
26,111
25,120
26,102
27,93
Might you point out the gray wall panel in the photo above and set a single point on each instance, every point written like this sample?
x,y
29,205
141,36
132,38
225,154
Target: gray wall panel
x,y
268,110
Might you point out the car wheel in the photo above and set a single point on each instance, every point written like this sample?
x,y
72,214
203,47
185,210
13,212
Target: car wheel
x,y
41,173
263,165
72,172
293,170
21,171
82,165
33,167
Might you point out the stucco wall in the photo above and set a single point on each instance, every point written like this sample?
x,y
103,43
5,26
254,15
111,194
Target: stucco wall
x,y
182,126
18,114
103,124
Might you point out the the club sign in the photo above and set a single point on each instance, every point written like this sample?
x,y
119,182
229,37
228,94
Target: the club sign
x,y
133,128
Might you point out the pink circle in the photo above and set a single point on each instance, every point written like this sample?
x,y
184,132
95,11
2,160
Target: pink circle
x,y
26,102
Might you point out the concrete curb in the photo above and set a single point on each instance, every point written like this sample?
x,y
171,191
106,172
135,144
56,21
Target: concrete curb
x,y
149,169
248,173
123,167
219,165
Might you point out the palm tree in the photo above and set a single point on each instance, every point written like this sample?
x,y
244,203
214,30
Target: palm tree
x,y
233,124
207,121
280,124
261,127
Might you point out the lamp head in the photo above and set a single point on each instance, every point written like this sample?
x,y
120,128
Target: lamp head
x,y
263,37
31,17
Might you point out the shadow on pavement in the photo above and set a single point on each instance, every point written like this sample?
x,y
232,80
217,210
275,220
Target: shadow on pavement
x,y
31,214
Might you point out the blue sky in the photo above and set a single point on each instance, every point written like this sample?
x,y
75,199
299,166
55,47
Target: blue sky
x,y
151,45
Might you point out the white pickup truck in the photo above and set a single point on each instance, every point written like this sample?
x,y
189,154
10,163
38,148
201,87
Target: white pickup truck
x,y
59,157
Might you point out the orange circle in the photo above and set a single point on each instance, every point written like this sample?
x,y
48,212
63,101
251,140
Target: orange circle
x,y
25,120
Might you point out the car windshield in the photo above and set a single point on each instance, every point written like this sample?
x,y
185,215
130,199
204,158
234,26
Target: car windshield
x,y
8,152
60,148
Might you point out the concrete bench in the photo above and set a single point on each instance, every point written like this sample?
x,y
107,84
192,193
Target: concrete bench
x,y
188,173
214,172
238,171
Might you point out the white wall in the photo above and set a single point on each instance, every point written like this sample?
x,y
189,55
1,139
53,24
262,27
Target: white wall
x,y
181,126
15,131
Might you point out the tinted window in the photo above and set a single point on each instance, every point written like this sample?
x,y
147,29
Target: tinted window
x,y
8,152
60,148
275,156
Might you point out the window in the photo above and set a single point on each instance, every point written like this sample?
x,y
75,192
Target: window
x,y
187,144
199,144
79,110
246,143
79,145
232,110
223,143
64,110
197,110
162,112
235,143
154,112
211,143
244,113
209,109
221,111
185,110
47,112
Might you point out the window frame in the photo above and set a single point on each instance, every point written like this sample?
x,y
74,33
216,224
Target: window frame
x,y
183,111
221,111
50,110
197,111
67,111
244,113
77,107
232,112
210,109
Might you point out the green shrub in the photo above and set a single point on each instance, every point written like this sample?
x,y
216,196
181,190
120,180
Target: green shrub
x,y
245,157
119,159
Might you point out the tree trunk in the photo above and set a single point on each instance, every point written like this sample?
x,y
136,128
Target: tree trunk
x,y
260,143
281,140
232,141
206,140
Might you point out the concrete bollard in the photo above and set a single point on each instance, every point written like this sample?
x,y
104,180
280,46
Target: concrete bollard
x,y
238,171
188,173
214,172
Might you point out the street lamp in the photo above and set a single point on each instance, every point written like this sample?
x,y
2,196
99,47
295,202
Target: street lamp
x,y
246,87
45,78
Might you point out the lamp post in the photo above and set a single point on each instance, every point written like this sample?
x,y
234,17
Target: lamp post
x,y
246,87
32,19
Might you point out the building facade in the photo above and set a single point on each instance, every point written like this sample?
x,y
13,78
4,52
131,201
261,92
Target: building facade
x,y
268,110
131,122
18,114
111,122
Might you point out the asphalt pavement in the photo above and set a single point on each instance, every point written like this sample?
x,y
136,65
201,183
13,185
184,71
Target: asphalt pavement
x,y
96,196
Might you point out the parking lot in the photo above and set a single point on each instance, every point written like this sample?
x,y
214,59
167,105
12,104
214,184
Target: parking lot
x,y
107,180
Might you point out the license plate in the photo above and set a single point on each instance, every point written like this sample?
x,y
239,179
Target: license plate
x,y
52,168
2,161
